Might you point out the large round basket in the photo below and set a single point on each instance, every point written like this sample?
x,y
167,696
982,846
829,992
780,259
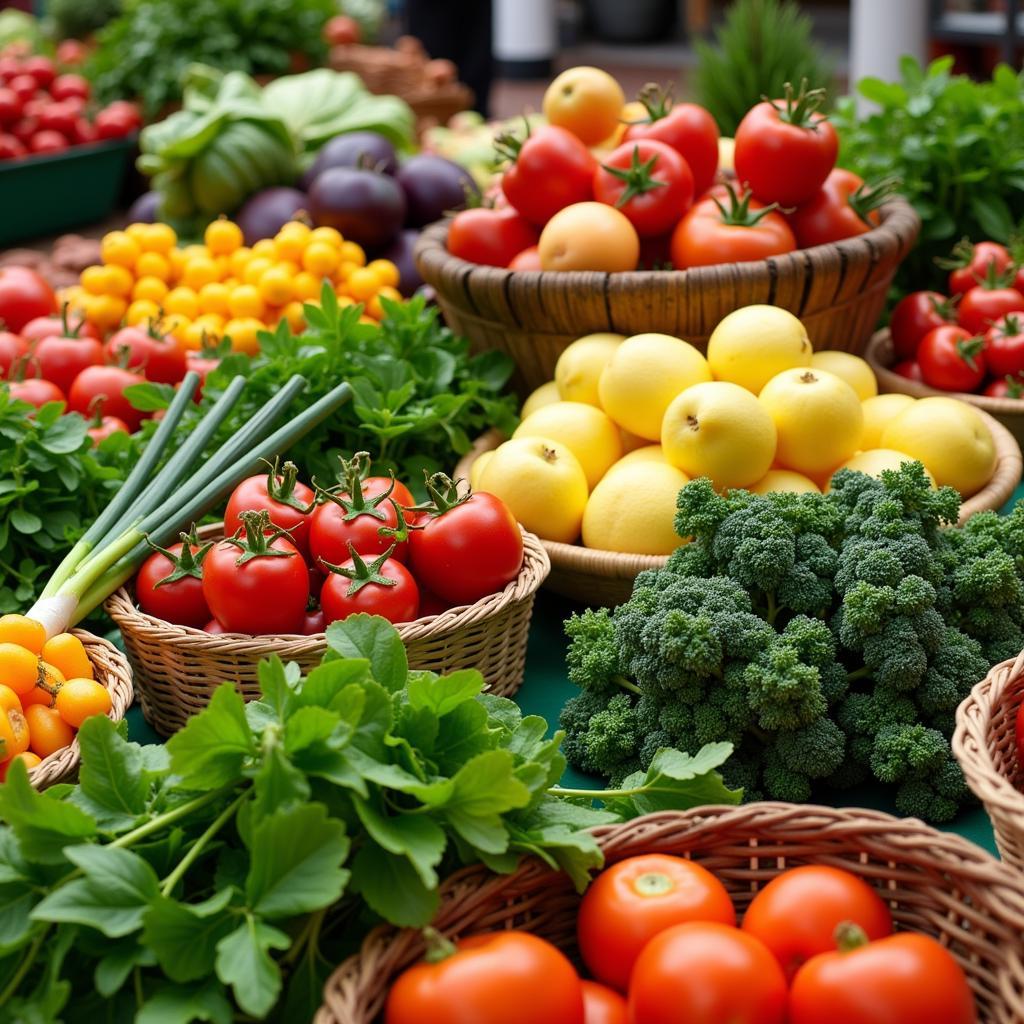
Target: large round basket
x,y
879,353
934,882
605,578
985,745
110,667
837,290
177,668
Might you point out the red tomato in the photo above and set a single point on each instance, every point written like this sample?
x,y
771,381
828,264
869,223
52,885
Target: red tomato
x,y
71,52
550,170
914,316
43,326
431,604
1008,387
705,972
528,259
796,914
118,120
11,148
467,546
656,253
951,359
24,295
35,106
688,128
23,86
743,230
106,384
984,304
10,66
288,502
971,264
12,348
909,368
313,622
66,86
490,237
47,142
59,117
213,626
35,391
785,149
10,105
649,182
341,30
903,979
843,207
85,131
157,356
62,357
397,491
104,426
250,587
201,364
1004,347
636,899
24,128
505,977
169,585
603,1005
381,587
41,69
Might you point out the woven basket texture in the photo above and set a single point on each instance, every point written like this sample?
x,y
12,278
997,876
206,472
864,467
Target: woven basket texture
x,y
110,667
837,290
177,668
934,882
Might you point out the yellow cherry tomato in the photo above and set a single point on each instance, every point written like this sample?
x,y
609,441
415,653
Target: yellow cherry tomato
x,y
153,264
246,301
256,268
141,311
386,271
242,331
222,237
22,631
176,259
67,653
118,247
176,325
345,300
151,288
136,232
374,306
266,248
239,260
159,238
276,286
107,311
213,298
199,271
306,286
352,253
294,315
120,281
321,258
190,252
362,283
291,240
182,301
196,335
332,236
94,279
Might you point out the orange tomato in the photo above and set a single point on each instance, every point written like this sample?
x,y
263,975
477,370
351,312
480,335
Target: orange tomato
x,y
603,1005
19,668
48,732
79,699
14,733
67,654
9,700
48,682
589,236
21,630
587,101
29,759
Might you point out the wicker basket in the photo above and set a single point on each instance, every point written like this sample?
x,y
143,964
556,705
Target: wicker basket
x,y
605,578
985,746
879,353
837,290
110,667
177,668
934,882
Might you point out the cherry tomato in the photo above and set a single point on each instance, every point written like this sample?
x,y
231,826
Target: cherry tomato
x,y
914,316
705,972
47,141
314,622
635,899
66,653
603,1005
908,368
951,359
23,86
170,587
12,348
842,208
80,699
505,977
35,391
118,120
10,105
156,355
204,365
381,587
528,259
29,759
71,52
43,326
1008,387
62,357
288,502
24,295
85,131
14,733
59,117
465,547
984,304
41,69
903,979
971,264
688,128
785,149
103,426
649,182
738,230
490,237
48,732
796,914
550,170
11,148
106,384
1004,346
67,86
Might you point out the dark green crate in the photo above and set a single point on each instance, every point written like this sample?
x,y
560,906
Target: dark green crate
x,y
46,195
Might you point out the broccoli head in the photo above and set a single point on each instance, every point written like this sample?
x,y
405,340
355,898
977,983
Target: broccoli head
x,y
903,752
593,654
937,798
952,672
817,749
784,691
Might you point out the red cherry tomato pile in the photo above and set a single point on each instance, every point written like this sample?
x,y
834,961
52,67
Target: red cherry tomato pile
x,y
659,936
972,339
45,111
297,559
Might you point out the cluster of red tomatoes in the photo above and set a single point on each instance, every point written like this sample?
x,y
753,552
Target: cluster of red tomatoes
x,y
652,200
43,111
296,560
973,338
658,934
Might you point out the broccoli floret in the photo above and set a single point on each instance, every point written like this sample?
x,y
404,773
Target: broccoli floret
x,y
937,798
593,655
783,691
782,782
952,672
601,736
743,771
575,720
811,639
862,715
817,750
903,752
700,510
653,742
755,546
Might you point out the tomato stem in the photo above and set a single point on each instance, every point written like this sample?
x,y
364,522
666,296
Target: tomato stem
x,y
443,494
438,947
348,492
281,486
868,198
361,574
189,562
638,177
849,936
259,536
657,100
800,110
739,213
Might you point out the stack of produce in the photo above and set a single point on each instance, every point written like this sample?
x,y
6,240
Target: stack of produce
x,y
604,448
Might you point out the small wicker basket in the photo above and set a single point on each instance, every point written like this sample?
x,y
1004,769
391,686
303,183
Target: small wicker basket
x,y
985,745
110,667
177,668
934,882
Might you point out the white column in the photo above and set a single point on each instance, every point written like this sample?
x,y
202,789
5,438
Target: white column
x,y
525,31
882,31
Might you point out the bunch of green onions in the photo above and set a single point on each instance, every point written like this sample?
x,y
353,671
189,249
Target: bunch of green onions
x,y
155,505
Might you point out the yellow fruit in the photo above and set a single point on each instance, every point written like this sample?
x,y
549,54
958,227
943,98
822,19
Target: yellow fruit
x,y
321,258
546,394
950,438
649,453
255,269
579,367
878,413
213,298
107,311
290,241
477,469
176,260
176,325
182,301
222,237
153,264
141,311
242,331
118,247
386,271
751,345
585,430
542,483
630,442
817,416
345,270
151,288
352,252
784,481
633,510
330,235
874,460
246,301
362,283
854,370
275,286
119,281
306,286
643,376
136,232
295,316
587,101
239,260
94,280
159,238
721,431
265,249
198,272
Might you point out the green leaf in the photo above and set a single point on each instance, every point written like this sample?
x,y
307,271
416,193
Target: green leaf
x,y
174,1004
16,903
377,640
149,397
392,887
442,695
25,522
993,215
113,968
414,836
184,938
211,749
112,778
333,685
278,683
278,783
243,961
310,725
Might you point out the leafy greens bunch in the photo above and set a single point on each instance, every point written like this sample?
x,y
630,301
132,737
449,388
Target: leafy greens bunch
x,y
829,638
235,866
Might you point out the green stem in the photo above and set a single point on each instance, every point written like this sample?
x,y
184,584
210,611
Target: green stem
x,y
627,684
596,794
200,844
95,567
169,817
861,673
308,937
23,967
773,608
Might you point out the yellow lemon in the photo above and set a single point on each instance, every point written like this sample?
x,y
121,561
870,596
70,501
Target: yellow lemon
x,y
721,431
817,416
878,413
950,438
649,453
874,460
751,345
477,469
542,483
584,429
784,481
546,394
643,376
633,510
854,370
580,366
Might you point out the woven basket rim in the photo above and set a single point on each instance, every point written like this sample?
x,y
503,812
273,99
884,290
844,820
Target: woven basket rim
x,y
536,565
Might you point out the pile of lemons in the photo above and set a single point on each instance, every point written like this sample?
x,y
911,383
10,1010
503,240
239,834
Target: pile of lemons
x,y
603,449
